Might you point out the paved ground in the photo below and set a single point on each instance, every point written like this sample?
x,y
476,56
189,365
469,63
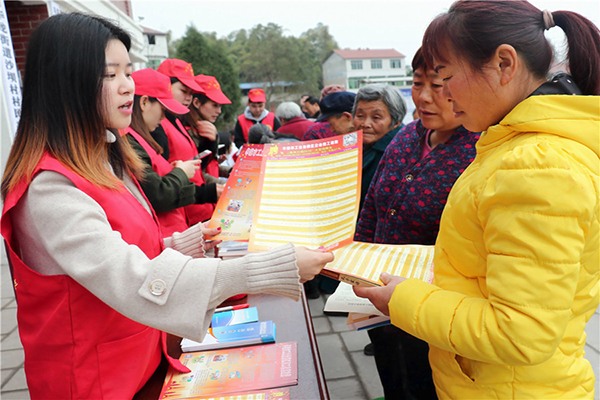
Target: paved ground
x,y
349,373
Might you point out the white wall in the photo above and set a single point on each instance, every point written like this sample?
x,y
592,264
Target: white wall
x,y
6,129
154,53
334,71
106,9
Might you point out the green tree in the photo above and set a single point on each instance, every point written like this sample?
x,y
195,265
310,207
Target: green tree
x,y
270,57
209,57
319,43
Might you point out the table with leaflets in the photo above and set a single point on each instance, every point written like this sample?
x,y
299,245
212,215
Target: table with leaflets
x,y
294,324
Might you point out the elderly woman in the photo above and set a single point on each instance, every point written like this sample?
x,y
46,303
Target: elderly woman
x,y
292,120
378,111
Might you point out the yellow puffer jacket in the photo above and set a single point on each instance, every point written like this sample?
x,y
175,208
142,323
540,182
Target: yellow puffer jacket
x,y
516,260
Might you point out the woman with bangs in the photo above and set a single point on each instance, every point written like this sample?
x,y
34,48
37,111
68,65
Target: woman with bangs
x,y
517,255
204,109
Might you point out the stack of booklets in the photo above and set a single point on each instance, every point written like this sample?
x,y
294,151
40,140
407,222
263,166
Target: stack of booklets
x,y
241,373
233,328
232,249
362,314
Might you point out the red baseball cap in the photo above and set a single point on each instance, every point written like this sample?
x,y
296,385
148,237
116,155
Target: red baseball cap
x,y
181,70
257,96
212,89
151,83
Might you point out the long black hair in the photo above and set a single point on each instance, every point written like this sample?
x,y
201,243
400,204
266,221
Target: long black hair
x,y
62,111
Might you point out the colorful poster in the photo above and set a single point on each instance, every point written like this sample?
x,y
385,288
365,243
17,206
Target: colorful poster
x,y
234,370
310,193
235,208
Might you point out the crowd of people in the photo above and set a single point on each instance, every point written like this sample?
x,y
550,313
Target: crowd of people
x,y
114,174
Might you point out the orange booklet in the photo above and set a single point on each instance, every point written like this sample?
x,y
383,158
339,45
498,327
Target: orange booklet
x,y
301,192
243,369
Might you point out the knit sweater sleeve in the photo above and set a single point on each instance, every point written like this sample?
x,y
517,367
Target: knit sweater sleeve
x,y
61,230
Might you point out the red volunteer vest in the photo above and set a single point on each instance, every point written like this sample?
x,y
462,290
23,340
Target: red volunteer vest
x,y
182,147
170,221
213,166
246,123
76,346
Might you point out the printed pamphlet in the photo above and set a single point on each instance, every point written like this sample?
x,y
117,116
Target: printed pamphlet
x,y
228,371
361,264
301,192
232,336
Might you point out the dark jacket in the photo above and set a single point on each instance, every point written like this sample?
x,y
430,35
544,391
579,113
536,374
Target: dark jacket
x,y
173,190
407,196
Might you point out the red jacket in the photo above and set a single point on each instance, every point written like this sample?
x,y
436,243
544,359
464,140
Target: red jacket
x,y
296,126
76,346
170,221
182,147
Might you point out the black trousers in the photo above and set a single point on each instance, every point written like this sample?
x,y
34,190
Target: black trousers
x,y
403,364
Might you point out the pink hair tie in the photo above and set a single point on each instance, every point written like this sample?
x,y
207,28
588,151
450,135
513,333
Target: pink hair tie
x,y
548,19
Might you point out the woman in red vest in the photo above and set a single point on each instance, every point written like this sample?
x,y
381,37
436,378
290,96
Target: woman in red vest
x,y
94,283
204,110
167,186
180,144
255,113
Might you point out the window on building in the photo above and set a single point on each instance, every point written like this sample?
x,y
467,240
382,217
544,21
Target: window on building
x,y
376,64
395,63
356,64
151,39
354,83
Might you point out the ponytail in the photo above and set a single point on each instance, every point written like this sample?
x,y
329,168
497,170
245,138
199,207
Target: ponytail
x,y
474,29
583,38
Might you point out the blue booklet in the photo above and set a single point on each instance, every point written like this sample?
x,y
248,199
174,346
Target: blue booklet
x,y
234,317
233,336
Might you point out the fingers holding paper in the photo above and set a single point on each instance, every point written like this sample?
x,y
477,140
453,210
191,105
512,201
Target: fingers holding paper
x,y
311,262
380,296
207,232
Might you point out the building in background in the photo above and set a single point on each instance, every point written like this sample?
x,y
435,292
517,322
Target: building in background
x,y
156,48
18,21
353,68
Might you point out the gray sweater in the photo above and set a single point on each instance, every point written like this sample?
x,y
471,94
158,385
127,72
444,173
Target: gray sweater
x,y
61,230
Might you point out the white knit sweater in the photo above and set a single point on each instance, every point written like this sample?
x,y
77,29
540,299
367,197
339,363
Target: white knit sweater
x,y
61,230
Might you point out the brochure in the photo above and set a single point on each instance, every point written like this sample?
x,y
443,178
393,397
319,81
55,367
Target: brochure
x,y
235,370
232,336
301,192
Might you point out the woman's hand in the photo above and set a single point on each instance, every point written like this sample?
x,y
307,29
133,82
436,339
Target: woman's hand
x,y
189,167
206,231
380,296
219,190
311,262
207,130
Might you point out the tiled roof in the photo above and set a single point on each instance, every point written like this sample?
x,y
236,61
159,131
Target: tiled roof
x,y
149,31
369,53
